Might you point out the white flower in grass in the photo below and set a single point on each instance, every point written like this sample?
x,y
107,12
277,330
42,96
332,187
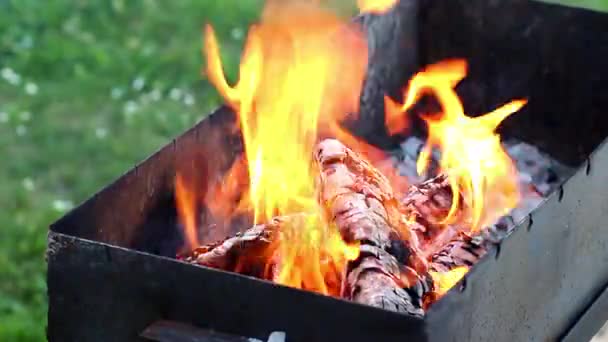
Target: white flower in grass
x,y
130,107
101,133
62,205
26,42
31,88
3,117
139,83
116,93
21,130
237,33
28,184
175,94
189,100
10,76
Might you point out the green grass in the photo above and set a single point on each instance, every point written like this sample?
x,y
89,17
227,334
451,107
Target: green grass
x,y
597,5
87,89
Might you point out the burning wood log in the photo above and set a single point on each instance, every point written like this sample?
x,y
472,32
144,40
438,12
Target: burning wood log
x,y
245,253
390,272
446,246
426,205
393,43
463,250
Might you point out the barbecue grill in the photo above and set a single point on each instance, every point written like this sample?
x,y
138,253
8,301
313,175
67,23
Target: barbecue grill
x,y
112,270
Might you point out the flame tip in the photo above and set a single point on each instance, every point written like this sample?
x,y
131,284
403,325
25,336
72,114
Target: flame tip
x,y
479,170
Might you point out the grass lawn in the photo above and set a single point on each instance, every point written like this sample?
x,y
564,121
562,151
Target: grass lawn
x,y
87,89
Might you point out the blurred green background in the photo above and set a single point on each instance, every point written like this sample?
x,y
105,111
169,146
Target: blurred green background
x,y
87,89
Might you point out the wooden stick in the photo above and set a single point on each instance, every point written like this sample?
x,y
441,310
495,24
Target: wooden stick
x,y
360,201
246,253
393,45
426,205
463,250
391,271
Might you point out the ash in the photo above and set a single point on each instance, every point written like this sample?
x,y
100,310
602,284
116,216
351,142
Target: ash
x,y
539,176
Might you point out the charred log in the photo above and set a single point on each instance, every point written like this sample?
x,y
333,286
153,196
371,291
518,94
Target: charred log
x,y
445,246
392,43
390,272
464,250
246,253
427,205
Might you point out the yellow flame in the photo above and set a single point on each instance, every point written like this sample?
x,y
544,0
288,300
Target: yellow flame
x,y
288,79
472,156
444,281
375,6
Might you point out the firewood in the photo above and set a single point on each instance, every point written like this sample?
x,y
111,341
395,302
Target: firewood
x,y
463,250
246,253
426,205
393,45
390,272
445,246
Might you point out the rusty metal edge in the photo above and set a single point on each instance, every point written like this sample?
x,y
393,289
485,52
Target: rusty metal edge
x,y
590,321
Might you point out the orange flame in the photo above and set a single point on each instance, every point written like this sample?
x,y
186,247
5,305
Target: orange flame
x,y
186,208
471,153
444,281
287,83
394,119
376,6
224,199
319,243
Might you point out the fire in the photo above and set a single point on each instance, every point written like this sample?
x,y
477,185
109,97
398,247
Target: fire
x,y
301,73
394,119
471,153
186,207
287,85
444,281
223,199
317,242
376,6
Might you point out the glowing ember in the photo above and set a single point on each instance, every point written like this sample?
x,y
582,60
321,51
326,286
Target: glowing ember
x,y
471,154
444,281
375,6
287,83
